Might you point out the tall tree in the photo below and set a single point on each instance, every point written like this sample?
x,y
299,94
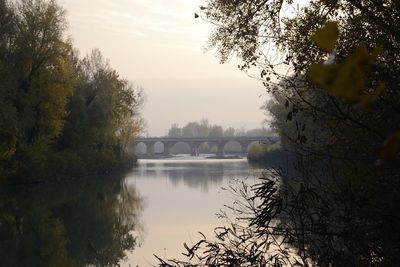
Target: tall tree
x,y
38,76
175,131
104,111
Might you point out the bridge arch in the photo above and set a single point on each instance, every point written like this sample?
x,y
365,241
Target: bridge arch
x,y
140,148
233,147
159,147
180,146
205,147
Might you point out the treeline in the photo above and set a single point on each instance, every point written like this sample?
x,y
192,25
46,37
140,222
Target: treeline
x,y
59,114
204,129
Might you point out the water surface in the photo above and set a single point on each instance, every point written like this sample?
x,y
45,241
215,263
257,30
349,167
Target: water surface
x,y
181,197
119,218
81,222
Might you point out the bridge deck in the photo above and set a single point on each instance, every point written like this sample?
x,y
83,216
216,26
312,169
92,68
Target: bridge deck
x,y
207,139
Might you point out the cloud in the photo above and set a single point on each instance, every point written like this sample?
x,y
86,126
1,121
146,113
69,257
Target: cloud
x,y
139,17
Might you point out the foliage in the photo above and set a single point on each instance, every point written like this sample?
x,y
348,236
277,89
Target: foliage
x,y
251,239
37,77
103,115
49,98
333,70
359,61
205,129
259,152
346,79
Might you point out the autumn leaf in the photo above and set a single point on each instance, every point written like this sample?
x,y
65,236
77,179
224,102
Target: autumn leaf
x,y
348,79
326,37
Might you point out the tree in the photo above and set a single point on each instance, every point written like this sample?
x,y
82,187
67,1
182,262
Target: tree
x,y
216,131
259,132
191,130
204,128
37,76
334,74
229,132
8,112
175,131
51,102
104,113
248,28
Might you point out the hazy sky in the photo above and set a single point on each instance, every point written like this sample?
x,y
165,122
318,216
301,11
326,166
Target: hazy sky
x,y
160,46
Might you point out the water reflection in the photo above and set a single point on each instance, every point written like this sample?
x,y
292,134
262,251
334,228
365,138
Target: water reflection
x,y
78,223
181,198
201,174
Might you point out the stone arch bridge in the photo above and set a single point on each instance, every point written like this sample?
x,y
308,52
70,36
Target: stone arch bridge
x,y
195,142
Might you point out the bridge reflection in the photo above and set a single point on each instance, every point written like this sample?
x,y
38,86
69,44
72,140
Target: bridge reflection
x,y
195,143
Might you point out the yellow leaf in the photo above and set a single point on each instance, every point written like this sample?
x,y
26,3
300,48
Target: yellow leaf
x,y
322,75
348,79
326,37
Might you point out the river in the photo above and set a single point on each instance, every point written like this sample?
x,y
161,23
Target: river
x,y
119,219
181,197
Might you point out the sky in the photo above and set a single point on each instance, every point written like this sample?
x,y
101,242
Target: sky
x,y
160,46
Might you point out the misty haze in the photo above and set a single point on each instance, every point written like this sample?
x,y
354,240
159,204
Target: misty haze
x,y
199,133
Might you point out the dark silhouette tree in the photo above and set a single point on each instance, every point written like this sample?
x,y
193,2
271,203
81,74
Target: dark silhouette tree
x,y
333,69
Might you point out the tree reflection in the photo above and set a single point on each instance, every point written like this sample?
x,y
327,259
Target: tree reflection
x,y
69,224
197,174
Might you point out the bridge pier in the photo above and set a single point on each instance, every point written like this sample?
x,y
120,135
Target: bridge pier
x,y
167,148
150,149
194,150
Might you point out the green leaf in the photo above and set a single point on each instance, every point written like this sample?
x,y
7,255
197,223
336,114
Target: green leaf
x,y
326,37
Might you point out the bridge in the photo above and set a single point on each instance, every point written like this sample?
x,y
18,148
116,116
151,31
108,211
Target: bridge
x,y
195,142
